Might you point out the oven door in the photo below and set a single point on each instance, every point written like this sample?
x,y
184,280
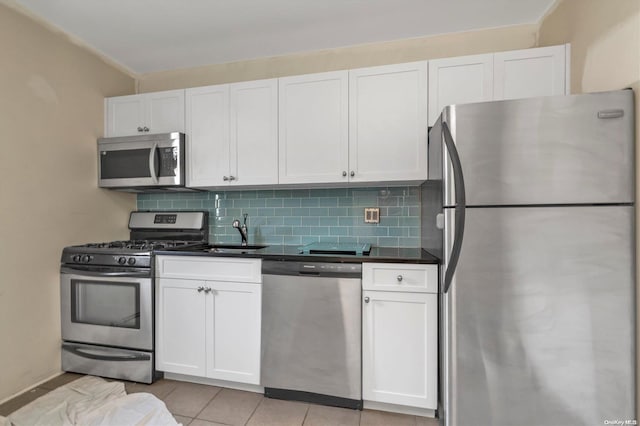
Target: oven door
x,y
141,161
107,307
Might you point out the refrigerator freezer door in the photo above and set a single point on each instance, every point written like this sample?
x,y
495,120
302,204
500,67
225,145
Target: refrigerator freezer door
x,y
552,150
540,318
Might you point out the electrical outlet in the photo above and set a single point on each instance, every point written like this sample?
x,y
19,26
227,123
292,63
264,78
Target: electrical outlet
x,y
372,215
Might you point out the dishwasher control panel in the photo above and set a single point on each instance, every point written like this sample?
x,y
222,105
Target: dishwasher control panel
x,y
321,269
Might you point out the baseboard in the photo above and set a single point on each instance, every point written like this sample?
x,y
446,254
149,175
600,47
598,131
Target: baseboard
x,y
60,373
214,382
402,409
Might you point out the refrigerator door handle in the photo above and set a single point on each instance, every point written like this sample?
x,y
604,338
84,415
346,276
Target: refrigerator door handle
x,y
461,204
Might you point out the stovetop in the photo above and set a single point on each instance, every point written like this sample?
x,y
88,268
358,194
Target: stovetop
x,y
149,231
129,253
136,245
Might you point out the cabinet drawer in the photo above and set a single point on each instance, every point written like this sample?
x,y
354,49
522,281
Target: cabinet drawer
x,y
210,269
400,277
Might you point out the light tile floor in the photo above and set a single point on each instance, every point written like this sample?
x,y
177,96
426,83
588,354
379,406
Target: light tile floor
x,y
200,405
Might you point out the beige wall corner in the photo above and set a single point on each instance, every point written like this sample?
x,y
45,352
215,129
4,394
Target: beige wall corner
x,y
415,49
51,113
18,7
605,41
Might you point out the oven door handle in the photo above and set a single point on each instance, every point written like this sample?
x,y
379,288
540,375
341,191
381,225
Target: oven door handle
x,y
133,274
100,355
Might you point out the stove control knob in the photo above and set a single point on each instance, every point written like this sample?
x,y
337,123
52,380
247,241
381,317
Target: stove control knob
x,y
132,261
77,258
122,260
85,258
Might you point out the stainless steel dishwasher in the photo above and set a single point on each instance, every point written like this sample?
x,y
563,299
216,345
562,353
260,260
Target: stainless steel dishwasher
x,y
311,332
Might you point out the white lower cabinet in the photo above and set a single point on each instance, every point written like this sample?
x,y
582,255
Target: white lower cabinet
x,y
181,327
400,343
233,339
208,328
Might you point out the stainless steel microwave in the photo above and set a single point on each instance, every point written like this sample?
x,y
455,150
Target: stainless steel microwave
x,y
144,163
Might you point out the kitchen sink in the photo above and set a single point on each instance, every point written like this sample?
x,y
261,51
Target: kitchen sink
x,y
233,248
237,246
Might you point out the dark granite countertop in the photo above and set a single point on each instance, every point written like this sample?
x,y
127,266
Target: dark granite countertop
x,y
292,253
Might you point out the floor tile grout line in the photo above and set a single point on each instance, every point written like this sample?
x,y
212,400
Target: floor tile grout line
x,y
306,413
167,395
254,410
208,402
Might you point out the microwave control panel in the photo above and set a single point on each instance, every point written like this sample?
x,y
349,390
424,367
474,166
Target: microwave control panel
x,y
168,161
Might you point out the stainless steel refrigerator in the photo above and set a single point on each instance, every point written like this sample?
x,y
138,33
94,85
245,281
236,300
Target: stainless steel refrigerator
x,y
531,204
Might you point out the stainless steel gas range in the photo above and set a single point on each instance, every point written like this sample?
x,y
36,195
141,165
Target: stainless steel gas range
x,y
107,296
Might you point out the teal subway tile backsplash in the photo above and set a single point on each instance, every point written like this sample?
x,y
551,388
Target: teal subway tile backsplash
x,y
301,216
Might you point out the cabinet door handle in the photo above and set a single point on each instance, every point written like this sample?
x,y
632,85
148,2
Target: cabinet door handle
x,y
399,278
145,128
200,288
352,174
225,178
139,128
232,178
366,300
344,174
207,289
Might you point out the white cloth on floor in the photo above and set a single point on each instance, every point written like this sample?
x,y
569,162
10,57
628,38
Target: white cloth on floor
x,y
92,401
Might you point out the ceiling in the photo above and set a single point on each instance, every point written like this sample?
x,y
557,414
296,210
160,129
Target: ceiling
x,y
156,35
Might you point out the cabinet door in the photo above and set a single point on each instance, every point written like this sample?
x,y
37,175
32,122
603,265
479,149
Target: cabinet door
x,y
180,326
208,136
124,116
233,337
530,72
254,132
399,348
460,80
313,128
387,123
165,111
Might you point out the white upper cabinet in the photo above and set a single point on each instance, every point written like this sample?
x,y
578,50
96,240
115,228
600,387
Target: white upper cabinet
x,y
387,123
531,72
207,135
254,133
366,125
158,112
124,116
497,76
232,134
313,128
460,80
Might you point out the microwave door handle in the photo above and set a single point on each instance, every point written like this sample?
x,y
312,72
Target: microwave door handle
x,y
152,163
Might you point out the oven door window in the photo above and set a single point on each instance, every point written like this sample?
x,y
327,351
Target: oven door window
x,y
105,303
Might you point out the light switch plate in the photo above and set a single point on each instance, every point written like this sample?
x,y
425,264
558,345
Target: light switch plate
x,y
372,215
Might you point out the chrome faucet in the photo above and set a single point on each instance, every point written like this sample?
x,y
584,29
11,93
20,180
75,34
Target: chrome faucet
x,y
242,229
